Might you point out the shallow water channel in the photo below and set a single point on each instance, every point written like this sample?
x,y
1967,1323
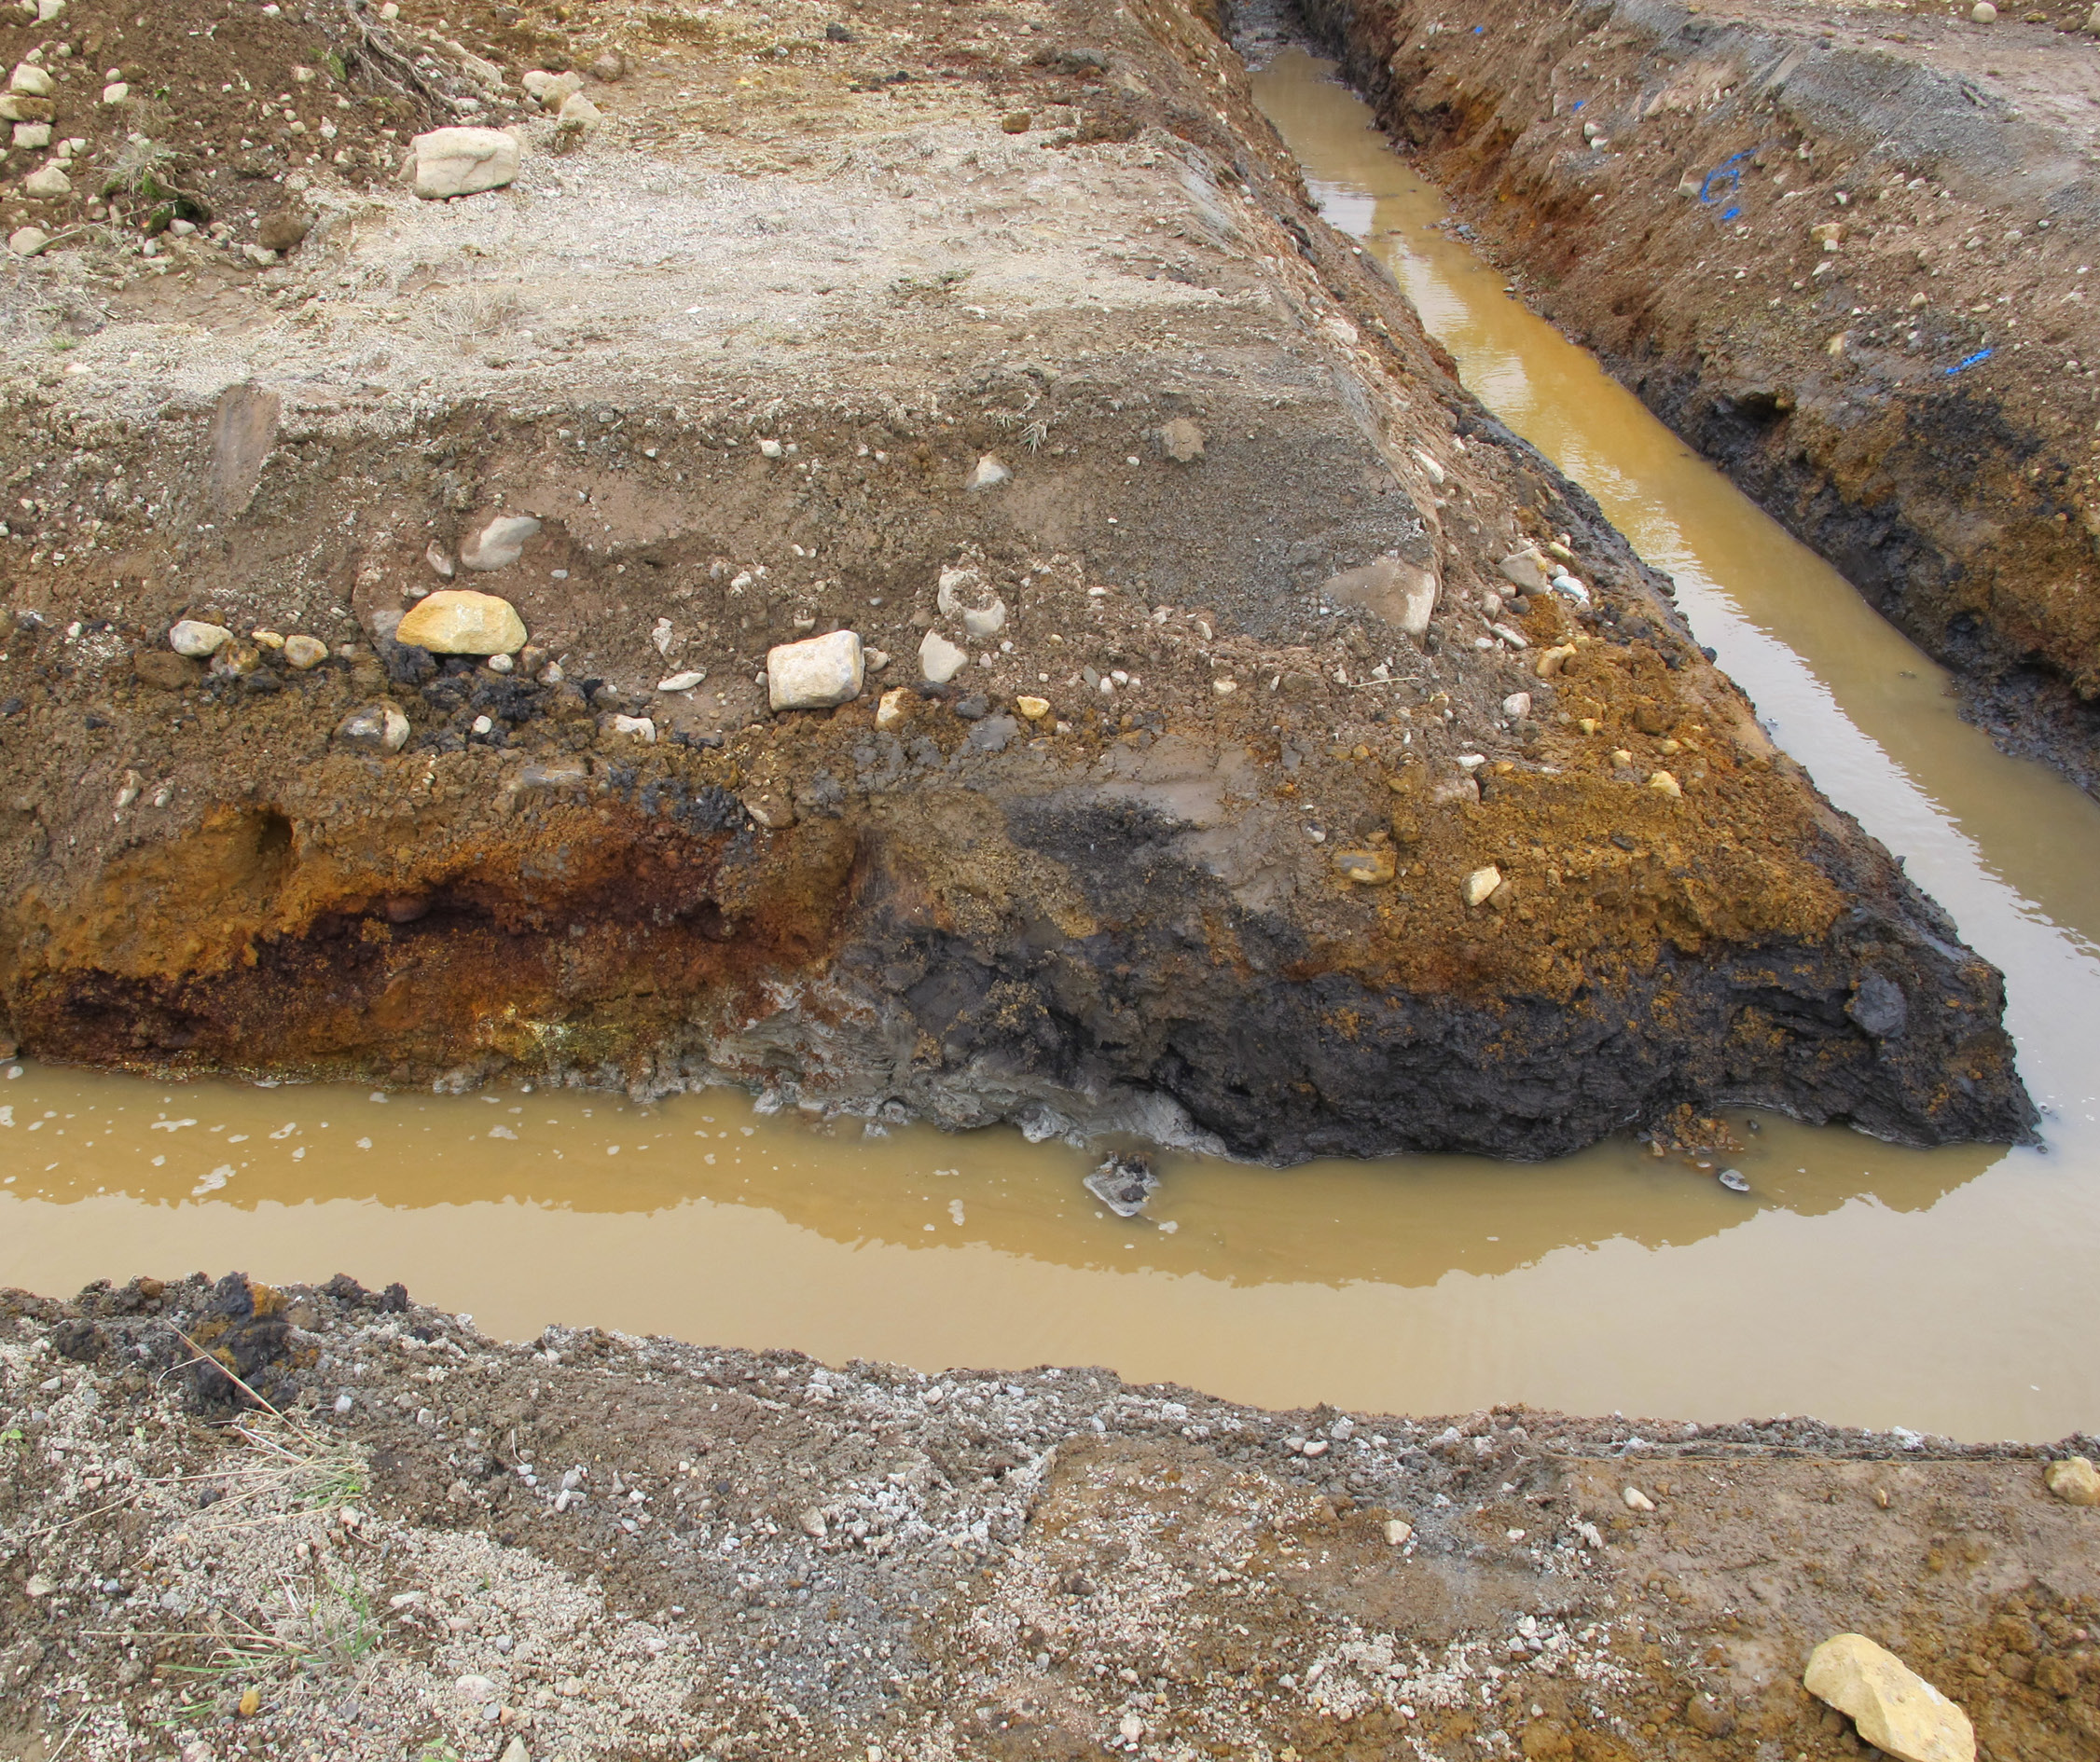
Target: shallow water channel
x,y
1948,1290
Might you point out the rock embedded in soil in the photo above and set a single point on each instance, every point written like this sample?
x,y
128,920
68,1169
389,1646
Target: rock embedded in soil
x,y
1895,1709
197,639
818,673
456,161
459,621
2075,1480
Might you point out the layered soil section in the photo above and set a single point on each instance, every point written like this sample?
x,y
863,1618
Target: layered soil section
x,y
429,1542
1845,252
1011,329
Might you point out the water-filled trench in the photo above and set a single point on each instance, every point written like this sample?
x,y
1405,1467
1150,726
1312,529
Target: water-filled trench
x,y
1945,1291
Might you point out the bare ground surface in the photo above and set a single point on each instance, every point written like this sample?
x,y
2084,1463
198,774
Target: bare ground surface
x,y
1844,251
433,1543
741,349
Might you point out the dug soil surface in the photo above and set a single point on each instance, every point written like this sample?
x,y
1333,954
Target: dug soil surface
x,y
1846,251
1008,326
432,1543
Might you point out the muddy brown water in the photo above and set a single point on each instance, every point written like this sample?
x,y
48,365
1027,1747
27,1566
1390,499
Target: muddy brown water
x,y
1946,1291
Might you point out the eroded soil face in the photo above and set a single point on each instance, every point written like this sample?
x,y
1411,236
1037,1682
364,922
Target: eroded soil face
x,y
604,1546
1843,251
1196,843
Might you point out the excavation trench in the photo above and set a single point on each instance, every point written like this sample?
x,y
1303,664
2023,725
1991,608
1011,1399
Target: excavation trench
x,y
1846,262
1610,1278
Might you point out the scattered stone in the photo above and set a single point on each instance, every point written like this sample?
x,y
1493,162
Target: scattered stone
x,y
498,545
1482,882
769,809
990,473
1896,1710
974,708
609,65
1513,637
1180,440
1526,568
2074,1480
1123,1184
459,621
501,664
940,660
1399,1531
772,449
165,670
46,186
375,728
440,564
1552,660
579,115
197,639
877,659
817,674
1662,783
550,91
284,230
1516,705
39,1585
684,682
16,106
117,92
1984,12
303,653
448,162
891,712
981,623
1637,1500
643,728
1371,867
28,242
1016,122
33,79
1034,709
31,136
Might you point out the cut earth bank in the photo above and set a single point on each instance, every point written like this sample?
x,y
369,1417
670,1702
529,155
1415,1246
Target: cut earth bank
x,y
1301,766
601,1545
1845,251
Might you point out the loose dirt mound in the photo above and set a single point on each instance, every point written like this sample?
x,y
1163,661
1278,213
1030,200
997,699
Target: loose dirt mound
x,y
1272,798
602,1546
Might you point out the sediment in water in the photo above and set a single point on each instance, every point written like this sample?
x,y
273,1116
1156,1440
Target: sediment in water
x,y
1846,262
1219,889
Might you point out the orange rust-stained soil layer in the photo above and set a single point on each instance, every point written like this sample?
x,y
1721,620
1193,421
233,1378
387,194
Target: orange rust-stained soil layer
x,y
1842,250
1201,843
605,1547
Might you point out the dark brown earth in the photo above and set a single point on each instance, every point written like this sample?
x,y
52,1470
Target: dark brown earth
x,y
1918,401
1136,913
772,1559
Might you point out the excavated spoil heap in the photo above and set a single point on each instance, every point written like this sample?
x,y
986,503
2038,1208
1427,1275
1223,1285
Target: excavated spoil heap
x,y
1013,330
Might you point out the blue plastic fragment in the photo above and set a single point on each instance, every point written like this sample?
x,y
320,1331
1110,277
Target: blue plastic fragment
x,y
1577,105
1732,213
1480,30
1981,355
1724,172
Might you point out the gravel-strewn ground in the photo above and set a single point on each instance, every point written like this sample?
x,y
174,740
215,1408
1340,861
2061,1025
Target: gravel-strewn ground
x,y
433,1544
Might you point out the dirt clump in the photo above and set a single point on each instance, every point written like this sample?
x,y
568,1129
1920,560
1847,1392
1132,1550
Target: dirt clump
x,y
1260,638
599,1545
